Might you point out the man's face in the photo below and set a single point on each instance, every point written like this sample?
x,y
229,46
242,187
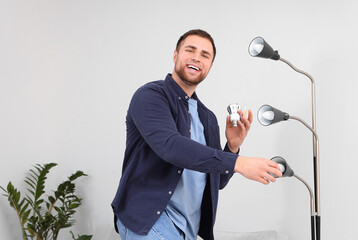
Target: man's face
x,y
193,60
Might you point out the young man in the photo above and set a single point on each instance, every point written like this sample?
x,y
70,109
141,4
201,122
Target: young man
x,y
174,166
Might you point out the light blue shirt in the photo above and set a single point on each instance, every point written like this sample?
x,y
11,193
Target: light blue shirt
x,y
184,208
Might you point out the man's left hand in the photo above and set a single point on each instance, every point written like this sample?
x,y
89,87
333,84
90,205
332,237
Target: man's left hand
x,y
236,135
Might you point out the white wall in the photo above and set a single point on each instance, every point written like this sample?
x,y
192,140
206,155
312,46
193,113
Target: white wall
x,y
69,68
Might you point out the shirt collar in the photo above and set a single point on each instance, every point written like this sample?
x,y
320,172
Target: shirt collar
x,y
178,90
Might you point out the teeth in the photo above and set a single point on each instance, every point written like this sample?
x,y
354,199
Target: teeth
x,y
193,67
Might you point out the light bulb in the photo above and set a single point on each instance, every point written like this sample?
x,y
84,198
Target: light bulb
x,y
234,115
256,46
268,115
282,168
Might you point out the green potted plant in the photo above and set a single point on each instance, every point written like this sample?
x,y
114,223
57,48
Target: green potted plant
x,y
41,217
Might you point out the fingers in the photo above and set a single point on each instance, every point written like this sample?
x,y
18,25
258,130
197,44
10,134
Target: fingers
x,y
273,164
228,122
269,171
276,172
274,168
243,115
246,120
266,179
269,177
244,123
241,125
251,117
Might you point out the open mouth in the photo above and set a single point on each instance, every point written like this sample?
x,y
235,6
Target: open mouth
x,y
193,67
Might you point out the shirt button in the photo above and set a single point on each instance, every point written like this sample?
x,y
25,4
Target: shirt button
x,y
179,171
170,192
190,130
158,212
179,98
227,171
186,97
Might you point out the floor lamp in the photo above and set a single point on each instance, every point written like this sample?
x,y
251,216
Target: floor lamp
x,y
268,115
260,48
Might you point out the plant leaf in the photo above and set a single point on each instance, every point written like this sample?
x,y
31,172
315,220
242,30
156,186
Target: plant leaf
x,y
82,237
76,175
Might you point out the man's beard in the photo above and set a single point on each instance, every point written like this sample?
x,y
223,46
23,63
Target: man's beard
x,y
186,78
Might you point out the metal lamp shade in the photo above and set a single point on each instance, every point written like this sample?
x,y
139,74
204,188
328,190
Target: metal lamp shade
x,y
268,115
287,171
260,48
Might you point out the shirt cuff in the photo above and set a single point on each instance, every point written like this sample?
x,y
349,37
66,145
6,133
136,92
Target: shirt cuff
x,y
227,149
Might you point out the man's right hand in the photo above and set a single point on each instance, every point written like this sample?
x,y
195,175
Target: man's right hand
x,y
257,169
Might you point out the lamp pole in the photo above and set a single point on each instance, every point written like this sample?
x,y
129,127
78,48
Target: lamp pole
x,y
316,166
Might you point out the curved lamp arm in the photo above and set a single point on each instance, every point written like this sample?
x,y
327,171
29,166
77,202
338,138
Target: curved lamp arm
x,y
313,92
318,205
307,125
310,191
296,69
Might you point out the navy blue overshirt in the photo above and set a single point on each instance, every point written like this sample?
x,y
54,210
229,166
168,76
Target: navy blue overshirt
x,y
158,148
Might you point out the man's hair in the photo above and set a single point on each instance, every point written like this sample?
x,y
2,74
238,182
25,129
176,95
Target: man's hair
x,y
200,33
